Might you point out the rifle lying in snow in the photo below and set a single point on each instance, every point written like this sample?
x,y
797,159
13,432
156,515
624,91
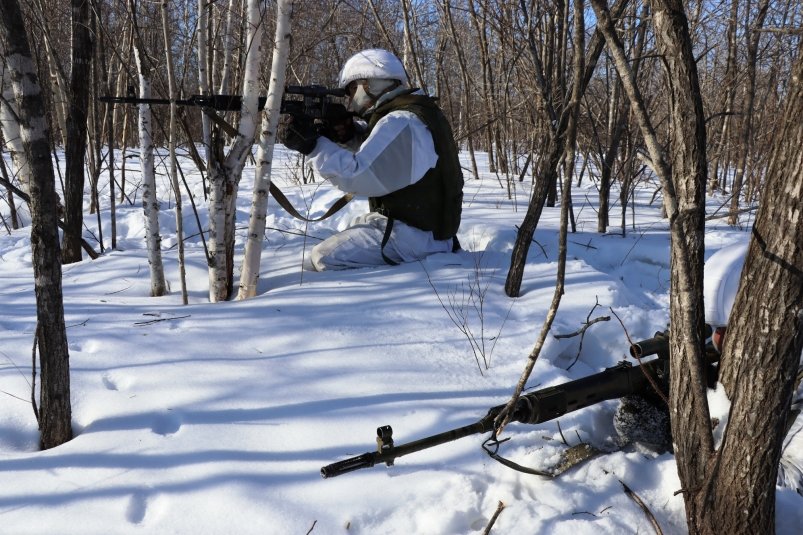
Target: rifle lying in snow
x,y
546,404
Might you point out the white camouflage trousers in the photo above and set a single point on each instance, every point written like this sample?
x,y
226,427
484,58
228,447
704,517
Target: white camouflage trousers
x,y
360,245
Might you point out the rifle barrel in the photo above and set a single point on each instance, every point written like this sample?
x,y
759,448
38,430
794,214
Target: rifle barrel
x,y
369,459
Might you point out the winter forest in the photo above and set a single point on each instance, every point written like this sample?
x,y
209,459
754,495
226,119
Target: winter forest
x,y
168,366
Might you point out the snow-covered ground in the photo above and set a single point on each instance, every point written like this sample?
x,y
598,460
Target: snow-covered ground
x,y
217,418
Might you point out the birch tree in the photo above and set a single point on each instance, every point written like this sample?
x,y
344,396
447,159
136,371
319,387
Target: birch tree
x,y
10,124
204,83
262,175
150,204
171,132
225,172
55,413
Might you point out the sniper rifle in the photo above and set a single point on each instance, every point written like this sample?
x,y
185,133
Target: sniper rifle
x,y
314,101
546,404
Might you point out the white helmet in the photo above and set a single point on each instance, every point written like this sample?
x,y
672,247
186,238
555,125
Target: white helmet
x,y
374,63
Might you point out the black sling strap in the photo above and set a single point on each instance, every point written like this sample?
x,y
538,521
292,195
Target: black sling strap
x,y
385,239
284,203
389,228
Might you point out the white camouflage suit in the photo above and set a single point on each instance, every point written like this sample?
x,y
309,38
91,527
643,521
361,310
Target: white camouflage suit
x,y
398,152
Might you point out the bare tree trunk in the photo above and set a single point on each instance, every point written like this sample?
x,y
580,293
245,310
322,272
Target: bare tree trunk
x,y
58,78
573,109
766,323
75,151
204,83
723,147
461,60
690,417
480,28
270,120
55,413
225,175
150,203
227,49
171,80
9,122
548,169
754,35
615,129
12,205
410,56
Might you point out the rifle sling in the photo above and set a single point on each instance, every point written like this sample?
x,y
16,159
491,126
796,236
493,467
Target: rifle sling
x,y
274,190
491,447
284,203
220,122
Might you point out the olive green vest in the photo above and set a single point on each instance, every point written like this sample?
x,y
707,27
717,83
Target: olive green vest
x,y
436,201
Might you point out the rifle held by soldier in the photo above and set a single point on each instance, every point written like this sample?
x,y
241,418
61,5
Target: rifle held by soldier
x,y
313,101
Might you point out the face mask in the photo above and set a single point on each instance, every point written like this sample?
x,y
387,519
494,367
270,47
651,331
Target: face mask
x,y
360,99
365,93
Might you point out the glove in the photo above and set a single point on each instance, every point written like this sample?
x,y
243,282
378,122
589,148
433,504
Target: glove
x,y
338,124
297,132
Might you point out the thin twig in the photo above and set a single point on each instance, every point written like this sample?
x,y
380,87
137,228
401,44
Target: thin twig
x,y
491,522
140,323
312,526
582,331
33,374
633,496
560,431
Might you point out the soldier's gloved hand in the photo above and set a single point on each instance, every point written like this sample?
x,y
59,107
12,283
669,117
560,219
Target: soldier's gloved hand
x,y
297,132
338,123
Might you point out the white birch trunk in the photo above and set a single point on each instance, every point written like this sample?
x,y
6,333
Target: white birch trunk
x,y
262,175
150,204
228,46
57,85
203,72
171,80
224,180
9,122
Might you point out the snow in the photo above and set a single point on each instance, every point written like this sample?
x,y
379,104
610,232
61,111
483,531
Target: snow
x,y
216,418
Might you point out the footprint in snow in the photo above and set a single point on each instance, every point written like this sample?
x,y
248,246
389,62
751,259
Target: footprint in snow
x,y
137,507
166,424
109,383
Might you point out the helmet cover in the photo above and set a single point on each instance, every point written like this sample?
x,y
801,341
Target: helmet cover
x,y
374,63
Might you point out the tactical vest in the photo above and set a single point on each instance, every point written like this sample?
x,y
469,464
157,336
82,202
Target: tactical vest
x,y
435,202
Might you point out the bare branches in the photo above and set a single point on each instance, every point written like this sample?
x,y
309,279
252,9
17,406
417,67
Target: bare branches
x,y
465,306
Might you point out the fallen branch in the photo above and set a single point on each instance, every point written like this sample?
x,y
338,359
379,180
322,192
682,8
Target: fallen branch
x,y
633,496
582,331
491,522
149,322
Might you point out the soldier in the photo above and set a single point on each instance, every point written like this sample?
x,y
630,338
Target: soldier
x,y
407,166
